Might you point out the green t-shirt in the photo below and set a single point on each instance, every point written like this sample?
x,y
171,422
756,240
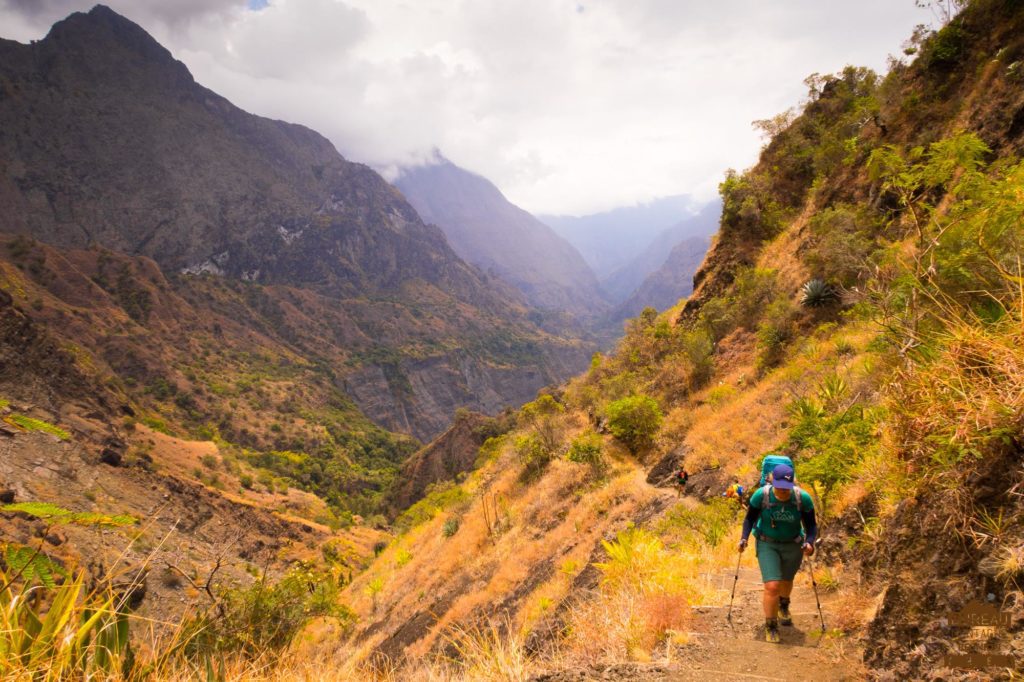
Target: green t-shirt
x,y
781,521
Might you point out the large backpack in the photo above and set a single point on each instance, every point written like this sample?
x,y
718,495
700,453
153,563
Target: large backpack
x,y
768,464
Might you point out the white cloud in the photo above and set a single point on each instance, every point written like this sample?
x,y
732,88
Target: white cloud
x,y
567,105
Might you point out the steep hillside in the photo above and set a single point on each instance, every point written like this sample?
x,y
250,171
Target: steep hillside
x,y
498,237
860,311
109,142
69,438
449,457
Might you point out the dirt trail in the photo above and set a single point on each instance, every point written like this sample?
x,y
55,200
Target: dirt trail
x,y
740,651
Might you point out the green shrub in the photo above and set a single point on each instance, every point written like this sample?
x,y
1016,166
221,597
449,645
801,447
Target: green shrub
x,y
263,619
440,497
698,347
533,454
450,528
748,207
542,417
586,449
817,293
828,447
157,424
841,243
709,523
774,332
634,421
717,318
945,48
753,290
720,394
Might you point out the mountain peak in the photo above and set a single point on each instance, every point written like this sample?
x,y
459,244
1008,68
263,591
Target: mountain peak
x,y
102,33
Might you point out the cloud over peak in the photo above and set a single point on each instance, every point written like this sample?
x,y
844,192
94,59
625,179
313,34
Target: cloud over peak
x,y
567,105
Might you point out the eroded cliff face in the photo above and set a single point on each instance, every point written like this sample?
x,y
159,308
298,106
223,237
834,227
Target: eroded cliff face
x,y
446,458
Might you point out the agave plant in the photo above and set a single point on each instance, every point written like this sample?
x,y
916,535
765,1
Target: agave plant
x,y
817,293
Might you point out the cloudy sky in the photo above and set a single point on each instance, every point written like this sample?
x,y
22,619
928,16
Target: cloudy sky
x,y
569,106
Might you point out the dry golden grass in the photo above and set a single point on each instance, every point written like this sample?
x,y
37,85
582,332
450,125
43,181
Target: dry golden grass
x,y
850,610
737,419
780,254
550,524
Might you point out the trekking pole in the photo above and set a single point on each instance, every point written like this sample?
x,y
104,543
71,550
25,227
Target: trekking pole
x,y
814,584
735,580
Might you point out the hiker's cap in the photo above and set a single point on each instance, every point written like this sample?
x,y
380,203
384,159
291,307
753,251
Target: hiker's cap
x,y
782,477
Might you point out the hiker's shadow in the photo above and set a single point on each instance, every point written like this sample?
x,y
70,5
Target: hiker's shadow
x,y
790,636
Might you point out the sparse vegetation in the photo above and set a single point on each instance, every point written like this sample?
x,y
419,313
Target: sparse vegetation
x,y
259,621
862,312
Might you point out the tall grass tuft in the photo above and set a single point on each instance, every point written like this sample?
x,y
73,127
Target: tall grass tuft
x,y
62,632
495,651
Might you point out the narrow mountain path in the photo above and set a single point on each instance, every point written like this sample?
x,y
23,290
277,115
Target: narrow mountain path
x,y
738,650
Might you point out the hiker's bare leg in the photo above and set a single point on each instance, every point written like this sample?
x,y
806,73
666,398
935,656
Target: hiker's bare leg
x,y
771,598
785,588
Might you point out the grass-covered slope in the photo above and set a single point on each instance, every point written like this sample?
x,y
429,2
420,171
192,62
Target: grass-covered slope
x,y
862,310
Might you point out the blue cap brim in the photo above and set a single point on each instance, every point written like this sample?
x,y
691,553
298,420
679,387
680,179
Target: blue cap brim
x,y
782,485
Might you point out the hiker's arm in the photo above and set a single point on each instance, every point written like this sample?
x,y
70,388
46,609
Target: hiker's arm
x,y
810,525
749,520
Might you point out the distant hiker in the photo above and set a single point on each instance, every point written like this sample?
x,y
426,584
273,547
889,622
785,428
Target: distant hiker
x,y
781,515
681,478
736,492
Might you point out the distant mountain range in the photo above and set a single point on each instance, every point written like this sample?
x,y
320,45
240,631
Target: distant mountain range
x,y
611,239
695,230
490,232
108,143
665,286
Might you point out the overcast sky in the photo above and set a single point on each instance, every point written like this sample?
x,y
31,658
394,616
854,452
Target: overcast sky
x,y
569,106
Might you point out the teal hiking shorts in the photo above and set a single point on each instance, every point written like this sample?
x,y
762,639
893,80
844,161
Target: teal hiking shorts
x,y
779,560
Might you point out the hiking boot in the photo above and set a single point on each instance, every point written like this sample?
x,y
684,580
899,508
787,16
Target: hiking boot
x,y
785,618
771,632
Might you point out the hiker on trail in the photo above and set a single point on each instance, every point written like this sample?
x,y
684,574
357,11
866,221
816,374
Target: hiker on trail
x,y
681,478
781,516
735,491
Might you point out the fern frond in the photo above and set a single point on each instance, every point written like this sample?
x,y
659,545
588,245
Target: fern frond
x,y
59,515
33,565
